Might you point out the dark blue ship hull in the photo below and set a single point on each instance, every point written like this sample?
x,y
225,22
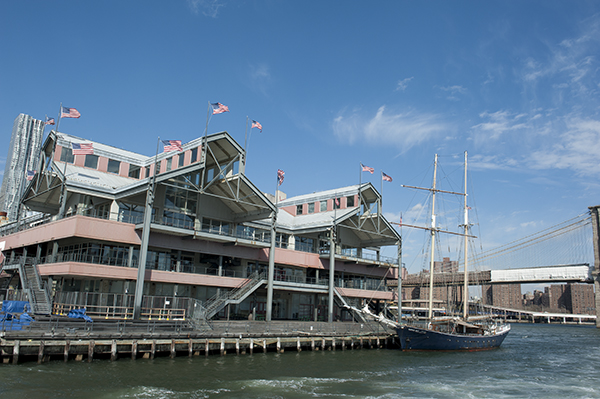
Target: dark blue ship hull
x,y
415,338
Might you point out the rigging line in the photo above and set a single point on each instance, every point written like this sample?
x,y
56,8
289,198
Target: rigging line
x,y
529,243
549,228
534,239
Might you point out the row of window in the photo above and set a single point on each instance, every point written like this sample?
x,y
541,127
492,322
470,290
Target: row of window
x,y
91,161
323,205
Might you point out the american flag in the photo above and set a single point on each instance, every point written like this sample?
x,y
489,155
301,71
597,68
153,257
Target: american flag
x,y
337,201
172,145
256,125
367,168
280,174
49,121
219,108
69,113
385,177
82,149
30,174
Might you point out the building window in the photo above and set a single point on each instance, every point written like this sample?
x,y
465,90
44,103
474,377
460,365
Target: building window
x,y
281,240
66,155
298,209
323,206
113,166
304,244
147,171
311,207
181,159
91,161
134,171
169,164
157,168
194,155
349,201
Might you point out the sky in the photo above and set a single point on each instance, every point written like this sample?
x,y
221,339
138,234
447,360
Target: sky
x,y
388,84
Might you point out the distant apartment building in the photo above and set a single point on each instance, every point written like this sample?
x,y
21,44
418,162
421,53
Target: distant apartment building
x,y
23,156
503,295
570,298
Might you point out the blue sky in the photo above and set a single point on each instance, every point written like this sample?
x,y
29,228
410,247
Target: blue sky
x,y
334,83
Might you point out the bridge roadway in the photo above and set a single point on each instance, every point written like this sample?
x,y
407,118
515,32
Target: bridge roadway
x,y
577,273
541,317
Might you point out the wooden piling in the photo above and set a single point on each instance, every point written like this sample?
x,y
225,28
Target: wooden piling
x,y
91,346
41,352
66,351
134,346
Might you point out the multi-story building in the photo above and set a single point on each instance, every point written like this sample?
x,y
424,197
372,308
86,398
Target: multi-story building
x,y
201,230
503,295
572,298
23,156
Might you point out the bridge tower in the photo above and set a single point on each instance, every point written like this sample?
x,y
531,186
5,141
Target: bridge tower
x,y
596,273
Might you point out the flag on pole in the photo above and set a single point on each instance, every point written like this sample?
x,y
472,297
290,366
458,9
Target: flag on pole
x,y
337,201
30,174
385,177
256,125
49,121
280,175
82,148
367,169
69,113
219,108
172,145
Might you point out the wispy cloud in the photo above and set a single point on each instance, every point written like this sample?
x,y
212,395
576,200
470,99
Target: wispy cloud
x,y
209,8
576,149
260,77
401,129
453,92
403,84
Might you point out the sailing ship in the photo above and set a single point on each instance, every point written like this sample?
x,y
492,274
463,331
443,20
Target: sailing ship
x,y
465,333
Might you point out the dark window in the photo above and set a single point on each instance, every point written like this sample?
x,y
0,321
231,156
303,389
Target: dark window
x,y
66,155
91,161
134,171
194,155
181,158
298,209
350,201
113,166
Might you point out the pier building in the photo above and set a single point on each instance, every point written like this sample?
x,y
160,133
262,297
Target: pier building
x,y
164,235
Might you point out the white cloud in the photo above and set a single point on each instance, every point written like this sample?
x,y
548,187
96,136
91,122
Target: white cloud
x,y
576,149
499,123
260,77
402,129
403,84
209,8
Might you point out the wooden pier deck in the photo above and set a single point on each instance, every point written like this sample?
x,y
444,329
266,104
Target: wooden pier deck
x,y
74,340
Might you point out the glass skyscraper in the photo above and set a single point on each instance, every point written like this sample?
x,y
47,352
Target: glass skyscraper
x,y
23,155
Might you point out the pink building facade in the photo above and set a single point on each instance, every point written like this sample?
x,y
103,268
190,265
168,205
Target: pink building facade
x,y
210,233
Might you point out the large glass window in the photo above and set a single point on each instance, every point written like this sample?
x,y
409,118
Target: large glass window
x,y
113,166
66,155
281,240
305,244
91,161
181,200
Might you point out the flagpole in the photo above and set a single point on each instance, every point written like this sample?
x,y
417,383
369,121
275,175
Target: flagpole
x,y
246,143
139,284
359,186
271,271
58,121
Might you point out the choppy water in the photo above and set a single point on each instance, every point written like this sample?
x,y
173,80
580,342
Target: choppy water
x,y
535,361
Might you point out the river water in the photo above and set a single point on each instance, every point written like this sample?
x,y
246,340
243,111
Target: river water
x,y
535,361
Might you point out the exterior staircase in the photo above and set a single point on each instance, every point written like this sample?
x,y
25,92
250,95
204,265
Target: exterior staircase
x,y
36,290
203,313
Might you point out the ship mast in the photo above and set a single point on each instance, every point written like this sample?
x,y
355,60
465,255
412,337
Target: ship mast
x,y
466,238
432,240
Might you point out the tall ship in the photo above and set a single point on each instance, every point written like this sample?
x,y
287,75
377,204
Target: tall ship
x,y
449,333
